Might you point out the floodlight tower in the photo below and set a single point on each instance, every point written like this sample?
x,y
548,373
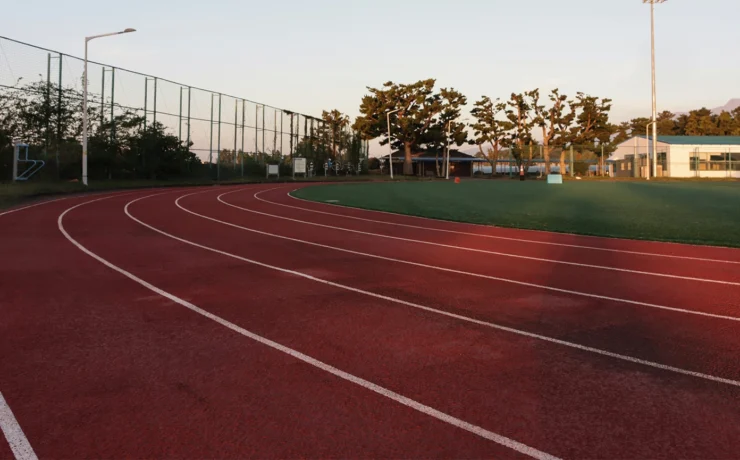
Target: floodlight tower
x,y
655,105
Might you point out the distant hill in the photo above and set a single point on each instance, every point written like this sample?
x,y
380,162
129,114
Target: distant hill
x,y
729,107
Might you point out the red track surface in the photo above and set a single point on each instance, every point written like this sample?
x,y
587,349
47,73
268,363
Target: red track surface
x,y
95,364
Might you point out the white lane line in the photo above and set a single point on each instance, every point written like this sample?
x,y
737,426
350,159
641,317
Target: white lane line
x,y
408,402
494,253
11,211
14,434
520,240
106,194
434,310
661,275
449,270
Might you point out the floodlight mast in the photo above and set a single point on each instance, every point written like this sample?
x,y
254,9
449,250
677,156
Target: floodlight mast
x,y
655,105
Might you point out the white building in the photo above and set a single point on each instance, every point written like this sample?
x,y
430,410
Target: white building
x,y
682,156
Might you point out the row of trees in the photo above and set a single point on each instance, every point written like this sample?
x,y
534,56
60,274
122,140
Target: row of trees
x,y
49,119
426,118
701,122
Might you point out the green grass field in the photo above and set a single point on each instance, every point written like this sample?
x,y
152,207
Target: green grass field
x,y
688,212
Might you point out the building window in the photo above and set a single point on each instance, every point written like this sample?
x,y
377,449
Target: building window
x,y
734,161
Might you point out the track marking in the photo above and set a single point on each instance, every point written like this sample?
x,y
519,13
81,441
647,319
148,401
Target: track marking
x,y
11,211
408,402
482,251
520,240
14,434
450,270
545,338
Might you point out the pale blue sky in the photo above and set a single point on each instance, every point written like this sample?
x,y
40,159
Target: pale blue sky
x,y
321,54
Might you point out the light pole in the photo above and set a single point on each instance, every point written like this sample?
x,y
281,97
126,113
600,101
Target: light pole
x,y
655,105
84,101
647,145
390,147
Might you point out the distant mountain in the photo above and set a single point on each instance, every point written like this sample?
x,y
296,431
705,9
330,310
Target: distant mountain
x,y
731,105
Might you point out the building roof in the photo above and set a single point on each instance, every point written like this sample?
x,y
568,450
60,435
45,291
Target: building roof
x,y
424,156
698,140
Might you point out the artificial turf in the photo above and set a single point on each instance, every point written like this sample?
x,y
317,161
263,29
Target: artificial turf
x,y
687,212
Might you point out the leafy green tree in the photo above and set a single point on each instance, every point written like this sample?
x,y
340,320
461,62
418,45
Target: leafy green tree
x,y
700,123
419,108
491,129
554,121
667,123
519,113
335,125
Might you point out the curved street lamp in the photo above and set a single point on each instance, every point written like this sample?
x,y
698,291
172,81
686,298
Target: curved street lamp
x,y
84,100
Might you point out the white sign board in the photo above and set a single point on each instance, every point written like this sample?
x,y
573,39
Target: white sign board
x,y
273,170
299,166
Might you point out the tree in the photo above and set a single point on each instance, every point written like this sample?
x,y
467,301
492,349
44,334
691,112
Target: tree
x,y
335,127
490,130
553,121
419,108
666,123
519,114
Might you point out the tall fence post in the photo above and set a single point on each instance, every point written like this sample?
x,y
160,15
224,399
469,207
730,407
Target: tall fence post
x,y
190,90
47,104
102,99
263,132
256,132
179,119
210,143
274,131
146,99
112,104
59,116
236,127
218,148
154,109
243,128
282,152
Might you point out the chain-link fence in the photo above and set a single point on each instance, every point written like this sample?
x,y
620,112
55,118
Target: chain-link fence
x,y
132,117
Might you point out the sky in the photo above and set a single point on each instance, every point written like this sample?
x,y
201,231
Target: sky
x,y
308,56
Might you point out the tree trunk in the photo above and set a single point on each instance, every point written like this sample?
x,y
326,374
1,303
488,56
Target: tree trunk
x,y
408,167
562,162
546,154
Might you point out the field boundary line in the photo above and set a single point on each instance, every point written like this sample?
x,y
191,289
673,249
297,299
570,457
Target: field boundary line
x,y
408,402
520,240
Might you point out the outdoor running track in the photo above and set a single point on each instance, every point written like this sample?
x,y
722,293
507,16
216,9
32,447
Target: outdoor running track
x,y
241,322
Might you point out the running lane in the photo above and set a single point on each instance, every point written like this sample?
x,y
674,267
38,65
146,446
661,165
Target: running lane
x,y
701,343
714,298
96,366
569,403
